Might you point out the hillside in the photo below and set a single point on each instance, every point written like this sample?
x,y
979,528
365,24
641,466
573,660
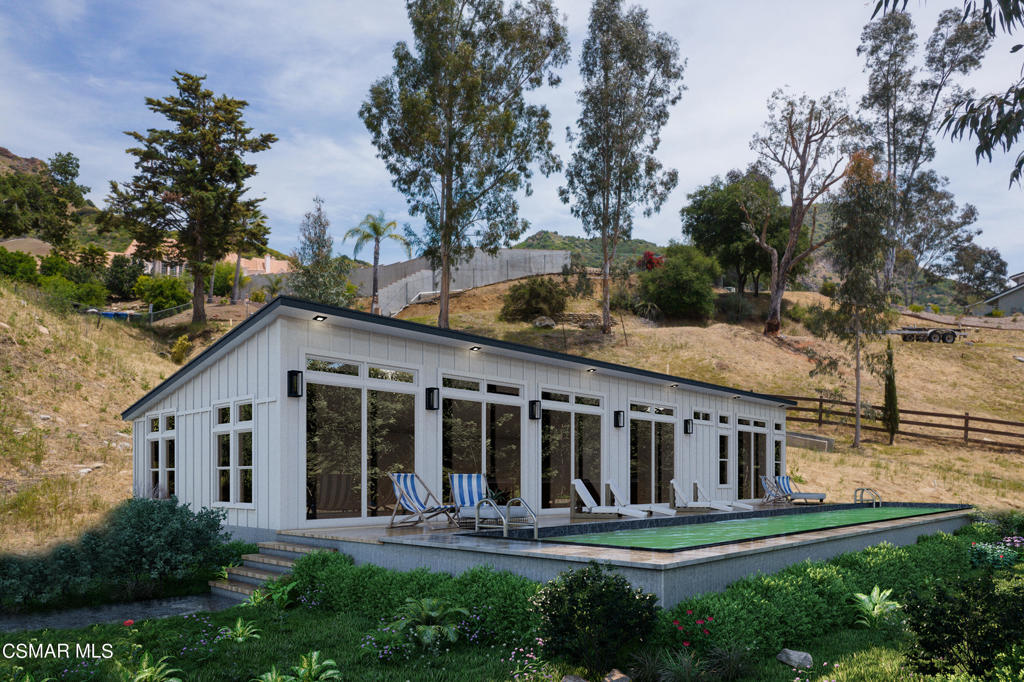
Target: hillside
x,y
589,249
982,377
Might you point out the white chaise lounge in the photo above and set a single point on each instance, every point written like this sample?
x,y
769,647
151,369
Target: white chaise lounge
x,y
701,500
656,508
590,505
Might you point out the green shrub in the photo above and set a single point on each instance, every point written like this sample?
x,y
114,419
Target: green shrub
x,y
992,555
531,298
258,296
60,290
92,294
143,548
121,276
934,308
735,307
162,292
681,287
796,312
224,279
181,349
996,313
592,616
623,297
915,308
18,266
53,265
963,624
828,288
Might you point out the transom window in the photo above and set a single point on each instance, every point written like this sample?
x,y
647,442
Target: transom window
x,y
332,366
701,416
723,419
554,397
161,457
233,453
352,368
501,389
460,384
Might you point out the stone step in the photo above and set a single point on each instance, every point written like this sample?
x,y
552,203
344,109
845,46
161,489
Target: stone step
x,y
291,547
249,574
234,590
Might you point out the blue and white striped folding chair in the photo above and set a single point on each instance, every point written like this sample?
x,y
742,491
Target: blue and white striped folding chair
x,y
420,504
467,491
786,486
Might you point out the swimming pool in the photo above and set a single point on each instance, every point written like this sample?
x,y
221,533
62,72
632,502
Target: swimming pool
x,y
680,536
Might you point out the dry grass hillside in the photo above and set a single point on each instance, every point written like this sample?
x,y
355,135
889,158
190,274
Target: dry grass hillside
x,y
65,453
981,376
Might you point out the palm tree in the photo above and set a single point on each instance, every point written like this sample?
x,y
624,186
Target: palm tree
x,y
375,229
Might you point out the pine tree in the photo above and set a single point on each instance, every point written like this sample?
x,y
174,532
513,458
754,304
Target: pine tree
x,y
890,410
320,276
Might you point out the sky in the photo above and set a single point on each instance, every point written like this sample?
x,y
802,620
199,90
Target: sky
x,y
75,75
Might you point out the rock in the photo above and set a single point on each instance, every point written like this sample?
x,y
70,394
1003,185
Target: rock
x,y
123,435
573,678
43,330
83,426
84,471
44,417
544,322
796,659
589,323
5,326
616,675
1018,358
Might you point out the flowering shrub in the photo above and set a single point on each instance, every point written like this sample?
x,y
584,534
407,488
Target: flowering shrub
x,y
649,261
812,673
992,555
526,666
695,630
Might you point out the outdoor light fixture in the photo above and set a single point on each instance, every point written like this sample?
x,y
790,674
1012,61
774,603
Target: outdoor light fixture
x,y
673,386
319,318
591,370
474,348
534,409
619,419
687,426
294,383
433,398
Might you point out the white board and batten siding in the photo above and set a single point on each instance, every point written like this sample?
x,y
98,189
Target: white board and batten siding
x,y
251,371
254,366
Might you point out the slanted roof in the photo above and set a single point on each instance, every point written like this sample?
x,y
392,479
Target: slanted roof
x,y
289,306
1003,293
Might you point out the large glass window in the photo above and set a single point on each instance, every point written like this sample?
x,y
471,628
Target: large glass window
x,y
640,461
333,451
485,438
651,461
723,459
587,463
751,460
390,444
161,455
556,459
234,453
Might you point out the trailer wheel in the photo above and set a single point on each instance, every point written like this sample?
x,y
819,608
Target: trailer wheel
x,y
948,337
908,337
933,337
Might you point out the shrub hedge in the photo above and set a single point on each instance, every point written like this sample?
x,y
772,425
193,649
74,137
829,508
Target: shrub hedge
x,y
144,548
501,599
534,296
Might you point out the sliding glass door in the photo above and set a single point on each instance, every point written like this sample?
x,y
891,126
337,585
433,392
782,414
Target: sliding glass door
x,y
752,463
483,437
570,449
651,461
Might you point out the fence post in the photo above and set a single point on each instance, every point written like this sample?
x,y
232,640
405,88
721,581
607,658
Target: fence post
x,y
967,420
821,409
150,314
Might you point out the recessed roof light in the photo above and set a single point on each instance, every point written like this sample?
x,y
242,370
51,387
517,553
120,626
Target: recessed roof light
x,y
474,348
673,386
319,318
591,370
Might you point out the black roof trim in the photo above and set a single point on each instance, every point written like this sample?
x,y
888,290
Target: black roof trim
x,y
472,339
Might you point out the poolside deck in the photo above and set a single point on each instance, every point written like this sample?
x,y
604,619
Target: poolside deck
x,y
673,576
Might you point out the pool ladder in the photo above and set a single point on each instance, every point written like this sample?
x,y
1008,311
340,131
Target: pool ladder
x,y
506,519
860,496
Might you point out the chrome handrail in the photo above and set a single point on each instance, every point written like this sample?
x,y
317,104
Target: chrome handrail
x,y
860,493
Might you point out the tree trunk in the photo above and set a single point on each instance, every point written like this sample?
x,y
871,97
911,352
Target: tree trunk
x,y
238,278
442,313
606,298
374,304
198,307
856,416
213,280
757,284
774,321
741,281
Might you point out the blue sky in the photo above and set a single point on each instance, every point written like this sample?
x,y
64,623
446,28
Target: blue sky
x,y
76,72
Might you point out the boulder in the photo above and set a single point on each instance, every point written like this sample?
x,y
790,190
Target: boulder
x,y
795,659
589,323
573,678
616,675
43,330
1018,358
544,322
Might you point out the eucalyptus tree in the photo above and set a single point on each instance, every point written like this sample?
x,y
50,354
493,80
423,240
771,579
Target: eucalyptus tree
x,y
631,77
375,228
994,120
860,308
190,180
807,140
453,126
904,105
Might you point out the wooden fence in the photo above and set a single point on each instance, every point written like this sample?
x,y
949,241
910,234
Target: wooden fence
x,y
940,425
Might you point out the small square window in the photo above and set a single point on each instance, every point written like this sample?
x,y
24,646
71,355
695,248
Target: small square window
x,y
723,419
245,412
759,424
154,425
700,416
223,415
169,423
778,426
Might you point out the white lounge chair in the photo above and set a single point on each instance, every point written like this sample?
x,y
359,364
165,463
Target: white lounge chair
x,y
786,486
590,505
413,495
701,500
656,508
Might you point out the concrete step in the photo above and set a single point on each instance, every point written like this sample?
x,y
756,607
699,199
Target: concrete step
x,y
290,548
231,589
268,562
251,576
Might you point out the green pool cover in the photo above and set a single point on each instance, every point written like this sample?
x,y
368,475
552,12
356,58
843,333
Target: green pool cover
x,y
717,532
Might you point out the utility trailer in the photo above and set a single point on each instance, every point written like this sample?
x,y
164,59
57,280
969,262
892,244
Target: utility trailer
x,y
930,334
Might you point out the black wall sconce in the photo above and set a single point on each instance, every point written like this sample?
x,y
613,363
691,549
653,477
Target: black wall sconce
x,y
619,419
534,409
687,426
433,398
294,383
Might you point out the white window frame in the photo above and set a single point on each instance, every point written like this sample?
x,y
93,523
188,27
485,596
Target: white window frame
x,y
572,408
161,437
232,429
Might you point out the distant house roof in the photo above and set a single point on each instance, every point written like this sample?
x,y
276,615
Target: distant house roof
x,y
1003,293
36,247
424,332
1018,278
